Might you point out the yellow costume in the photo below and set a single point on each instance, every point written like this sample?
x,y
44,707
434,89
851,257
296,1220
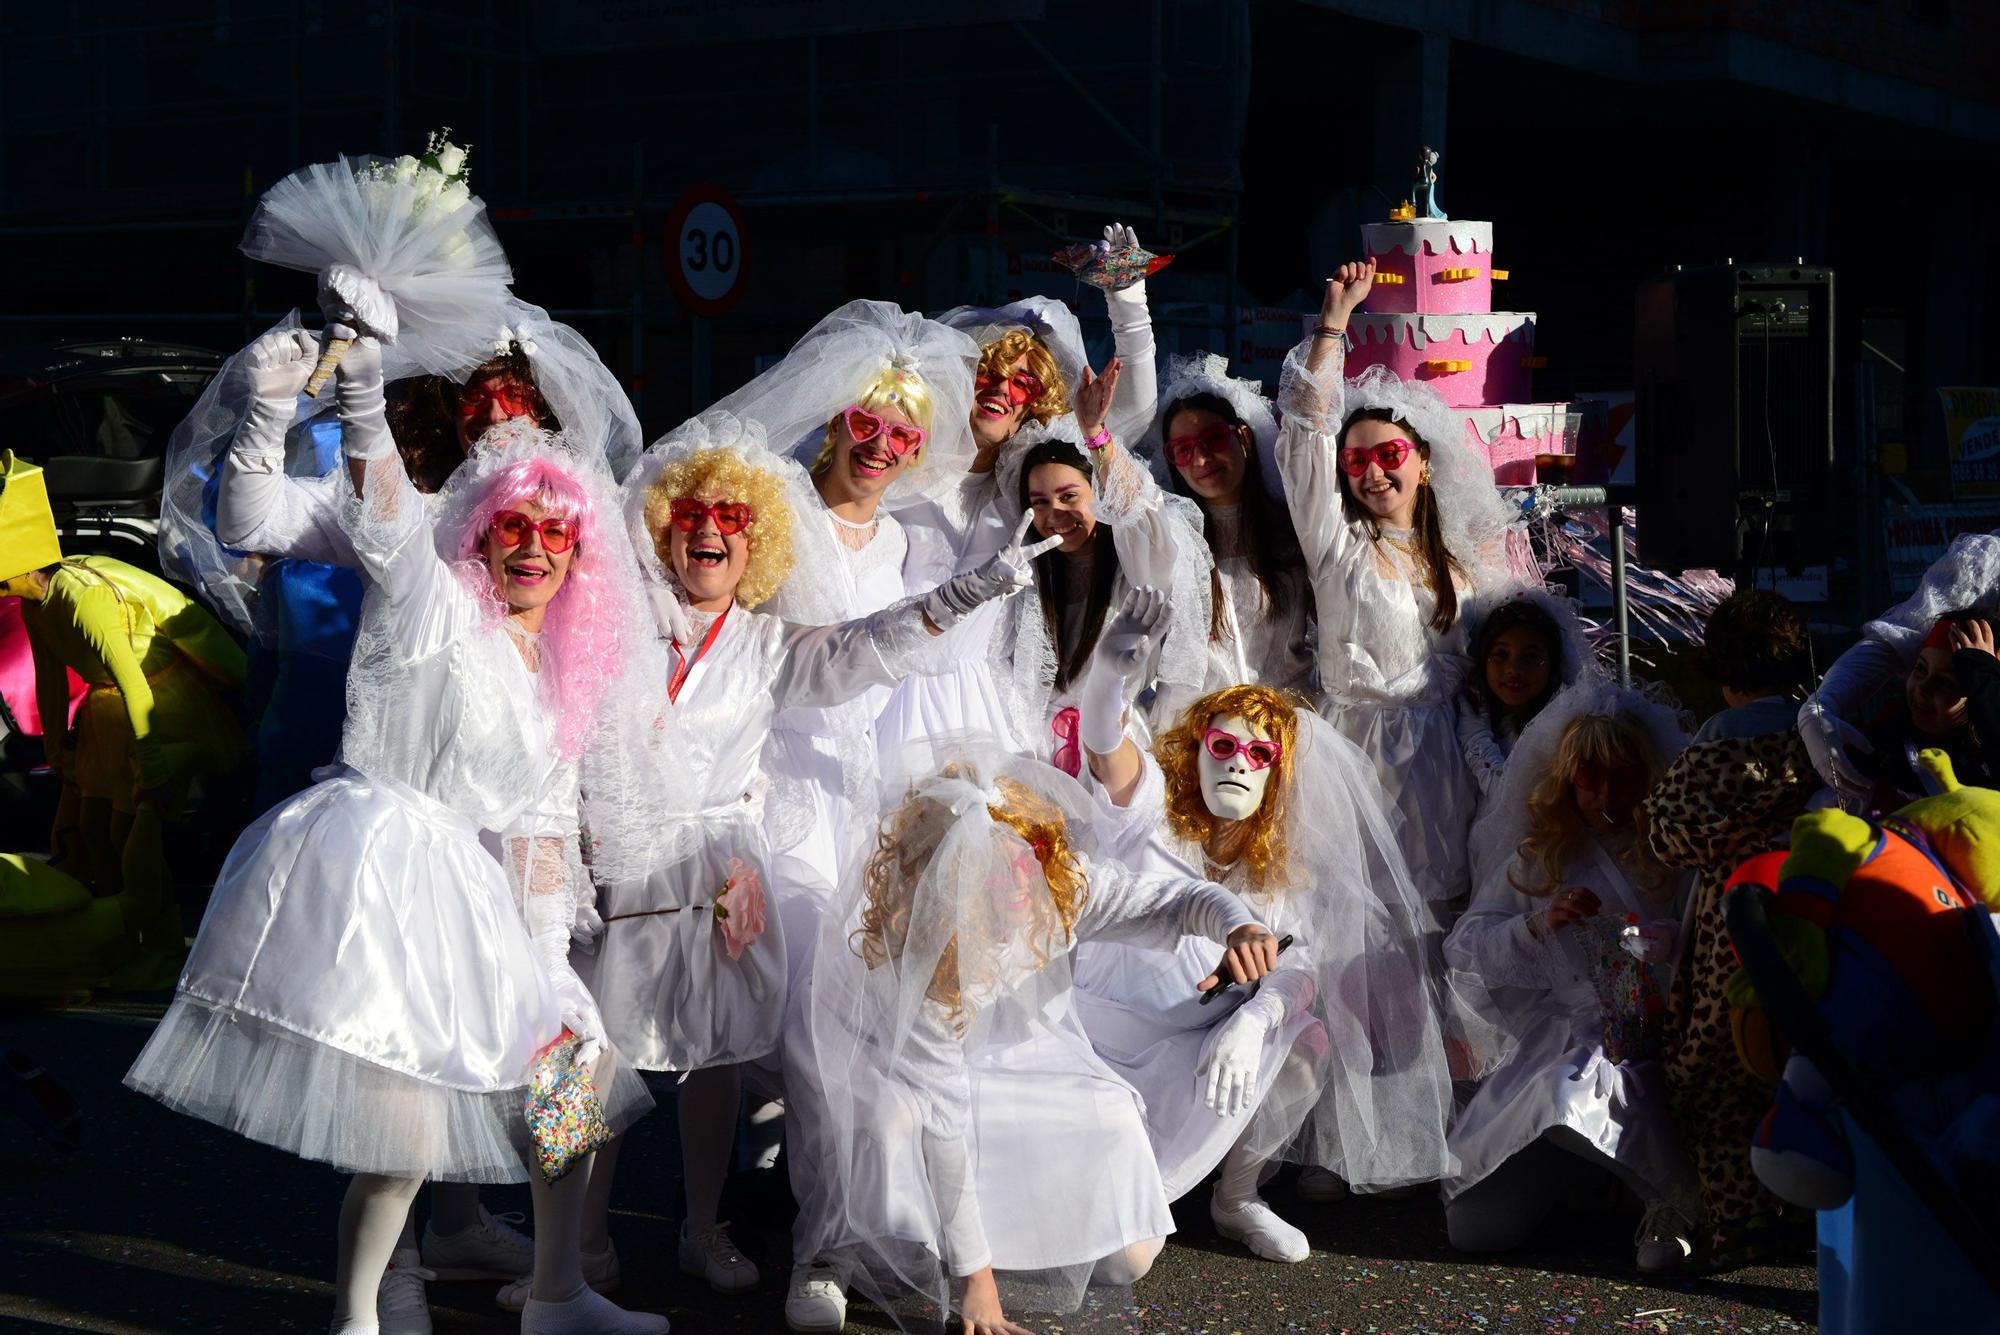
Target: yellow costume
x,y
153,659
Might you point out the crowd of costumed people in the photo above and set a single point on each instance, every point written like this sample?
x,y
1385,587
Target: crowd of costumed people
x,y
1060,788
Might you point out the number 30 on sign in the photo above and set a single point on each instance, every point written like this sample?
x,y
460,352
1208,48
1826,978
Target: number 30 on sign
x,y
705,250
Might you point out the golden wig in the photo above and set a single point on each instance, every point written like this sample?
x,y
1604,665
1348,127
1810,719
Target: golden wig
x,y
1556,831
728,475
893,388
1179,752
998,357
905,845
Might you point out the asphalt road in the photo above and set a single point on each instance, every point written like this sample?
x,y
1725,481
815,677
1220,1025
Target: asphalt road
x,y
167,1224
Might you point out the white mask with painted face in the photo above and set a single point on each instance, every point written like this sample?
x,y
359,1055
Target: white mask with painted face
x,y
1230,788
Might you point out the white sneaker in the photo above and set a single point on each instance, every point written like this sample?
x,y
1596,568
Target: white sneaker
x,y
1665,1239
490,1249
711,1254
1319,1186
817,1301
588,1314
1257,1226
600,1271
401,1305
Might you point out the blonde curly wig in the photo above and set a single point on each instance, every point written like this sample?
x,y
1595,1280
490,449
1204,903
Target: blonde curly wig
x,y
1179,752
905,844
893,388
728,475
998,357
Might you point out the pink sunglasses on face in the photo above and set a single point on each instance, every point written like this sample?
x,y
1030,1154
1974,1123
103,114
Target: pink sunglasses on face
x,y
1390,454
902,438
1257,753
1212,441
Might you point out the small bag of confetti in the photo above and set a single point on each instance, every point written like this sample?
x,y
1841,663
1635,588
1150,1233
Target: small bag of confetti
x,y
565,1119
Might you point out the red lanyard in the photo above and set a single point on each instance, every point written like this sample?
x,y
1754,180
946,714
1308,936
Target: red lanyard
x,y
682,665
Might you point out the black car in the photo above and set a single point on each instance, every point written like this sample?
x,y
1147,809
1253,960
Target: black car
x,y
95,413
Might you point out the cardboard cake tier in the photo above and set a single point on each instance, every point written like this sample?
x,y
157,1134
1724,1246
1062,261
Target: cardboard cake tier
x,y
1430,266
1468,359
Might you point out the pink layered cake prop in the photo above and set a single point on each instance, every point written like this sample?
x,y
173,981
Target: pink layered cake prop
x,y
1430,318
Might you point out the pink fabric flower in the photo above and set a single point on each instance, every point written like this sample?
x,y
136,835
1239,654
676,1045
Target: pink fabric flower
x,y
739,909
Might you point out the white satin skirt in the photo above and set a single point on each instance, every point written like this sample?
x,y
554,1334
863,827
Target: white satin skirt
x,y
671,996
1554,1078
363,992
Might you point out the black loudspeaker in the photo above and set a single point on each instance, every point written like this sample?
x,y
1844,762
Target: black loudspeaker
x,y
1733,410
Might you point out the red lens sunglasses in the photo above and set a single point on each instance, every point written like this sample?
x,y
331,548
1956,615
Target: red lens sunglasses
x,y
1390,454
1022,386
511,528
1213,441
731,517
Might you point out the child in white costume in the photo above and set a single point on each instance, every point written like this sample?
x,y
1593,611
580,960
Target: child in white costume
x,y
691,969
1269,800
1572,937
370,986
977,1145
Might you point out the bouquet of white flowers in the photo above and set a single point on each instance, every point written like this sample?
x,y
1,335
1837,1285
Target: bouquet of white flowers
x,y
402,245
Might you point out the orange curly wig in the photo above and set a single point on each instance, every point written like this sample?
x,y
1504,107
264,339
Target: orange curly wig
x,y
905,844
1179,752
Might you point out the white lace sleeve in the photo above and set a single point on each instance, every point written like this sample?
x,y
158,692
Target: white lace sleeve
x,y
1315,399
1309,463
427,607
1156,909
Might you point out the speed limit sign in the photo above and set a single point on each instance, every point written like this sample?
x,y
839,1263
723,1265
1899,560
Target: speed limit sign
x,y
705,250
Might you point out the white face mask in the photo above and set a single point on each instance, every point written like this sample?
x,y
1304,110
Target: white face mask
x,y
1230,788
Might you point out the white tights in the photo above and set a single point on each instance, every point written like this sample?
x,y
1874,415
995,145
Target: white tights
x,y
374,1222
1128,1265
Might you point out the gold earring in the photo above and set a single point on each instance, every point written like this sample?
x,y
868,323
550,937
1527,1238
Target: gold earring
x,y
1425,480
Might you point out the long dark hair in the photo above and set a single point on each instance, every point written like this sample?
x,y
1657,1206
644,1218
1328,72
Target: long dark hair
x,y
1263,522
423,414
1052,568
1515,612
1439,565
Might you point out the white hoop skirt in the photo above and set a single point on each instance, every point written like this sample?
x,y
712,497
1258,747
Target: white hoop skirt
x,y
363,992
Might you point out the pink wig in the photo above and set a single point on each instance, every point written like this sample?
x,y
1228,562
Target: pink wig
x,y
582,631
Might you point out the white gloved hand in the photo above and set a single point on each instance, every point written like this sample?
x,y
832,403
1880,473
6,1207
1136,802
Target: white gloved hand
x,y
548,918
364,415
276,367
585,925
1116,235
1656,942
1123,648
1230,1064
1835,746
1003,576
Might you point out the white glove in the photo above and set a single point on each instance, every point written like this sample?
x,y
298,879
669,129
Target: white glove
x,y
364,416
276,367
1656,942
585,925
548,918
1123,648
1834,743
1116,235
1005,575
1232,1060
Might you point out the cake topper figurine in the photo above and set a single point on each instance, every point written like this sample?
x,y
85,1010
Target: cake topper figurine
x,y
1426,193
